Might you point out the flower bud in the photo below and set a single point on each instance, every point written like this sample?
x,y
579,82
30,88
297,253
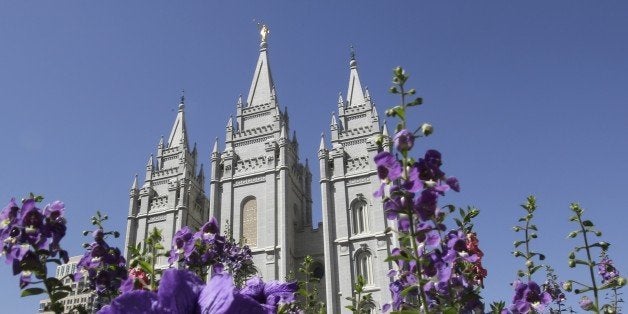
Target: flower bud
x,y
572,234
586,303
572,255
427,129
567,285
621,281
529,264
404,140
516,228
572,263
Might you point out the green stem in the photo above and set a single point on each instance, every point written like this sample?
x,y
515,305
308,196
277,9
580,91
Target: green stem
x,y
415,254
153,260
591,264
527,247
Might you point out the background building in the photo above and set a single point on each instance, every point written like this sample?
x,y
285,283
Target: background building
x,y
80,295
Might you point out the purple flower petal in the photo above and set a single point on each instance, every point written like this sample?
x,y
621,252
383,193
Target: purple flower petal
x,y
136,302
179,290
220,296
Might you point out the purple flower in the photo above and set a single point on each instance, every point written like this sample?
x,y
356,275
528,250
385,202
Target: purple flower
x,y
138,301
453,183
211,226
221,296
181,291
425,205
55,210
25,231
429,166
413,183
528,296
586,303
388,167
104,265
8,214
404,140
606,269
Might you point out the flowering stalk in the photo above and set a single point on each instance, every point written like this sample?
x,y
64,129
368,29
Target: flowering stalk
x,y
30,240
610,277
529,234
104,266
436,270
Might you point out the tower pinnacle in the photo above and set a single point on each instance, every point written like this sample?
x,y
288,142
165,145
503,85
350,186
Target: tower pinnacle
x,y
262,85
355,94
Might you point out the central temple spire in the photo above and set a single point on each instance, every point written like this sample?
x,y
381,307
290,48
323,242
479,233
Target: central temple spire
x,y
355,94
178,134
262,85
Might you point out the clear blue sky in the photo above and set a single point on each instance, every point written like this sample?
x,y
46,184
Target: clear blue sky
x,y
526,97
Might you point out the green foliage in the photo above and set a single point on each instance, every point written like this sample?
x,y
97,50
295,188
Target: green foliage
x,y
530,232
308,301
145,257
361,302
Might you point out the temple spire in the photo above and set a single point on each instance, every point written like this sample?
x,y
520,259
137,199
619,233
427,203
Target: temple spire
x,y
178,135
283,132
262,86
134,185
215,150
355,94
322,145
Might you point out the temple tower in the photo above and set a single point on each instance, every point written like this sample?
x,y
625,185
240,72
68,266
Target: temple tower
x,y
258,185
353,220
172,194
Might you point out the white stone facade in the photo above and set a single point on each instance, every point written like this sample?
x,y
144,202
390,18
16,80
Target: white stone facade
x,y
261,188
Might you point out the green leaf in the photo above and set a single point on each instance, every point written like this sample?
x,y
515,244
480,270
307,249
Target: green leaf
x,y
147,267
32,291
58,295
52,282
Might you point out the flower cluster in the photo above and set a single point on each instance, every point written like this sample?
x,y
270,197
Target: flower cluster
x,y
206,248
30,236
528,297
104,266
606,269
181,291
437,269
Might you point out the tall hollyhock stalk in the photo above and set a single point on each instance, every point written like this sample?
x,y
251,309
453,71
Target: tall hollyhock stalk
x,y
529,297
437,269
610,277
30,240
103,265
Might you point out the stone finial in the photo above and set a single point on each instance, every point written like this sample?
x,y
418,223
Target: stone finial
x,y
134,185
322,145
215,150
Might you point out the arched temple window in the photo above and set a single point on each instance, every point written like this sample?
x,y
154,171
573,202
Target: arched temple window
x,y
249,222
363,266
360,216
